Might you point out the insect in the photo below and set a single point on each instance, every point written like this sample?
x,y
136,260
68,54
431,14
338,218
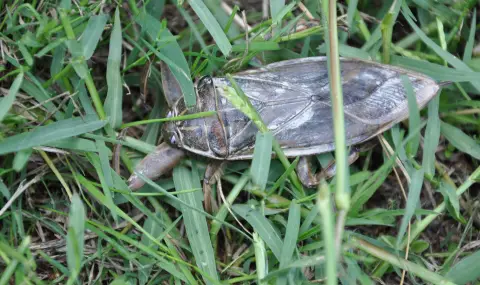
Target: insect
x,y
293,99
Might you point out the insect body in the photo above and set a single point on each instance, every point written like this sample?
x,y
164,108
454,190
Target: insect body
x,y
293,99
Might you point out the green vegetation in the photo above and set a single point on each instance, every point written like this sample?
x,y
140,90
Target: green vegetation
x,y
81,104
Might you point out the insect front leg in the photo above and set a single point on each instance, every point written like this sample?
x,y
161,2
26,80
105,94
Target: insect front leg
x,y
212,174
157,163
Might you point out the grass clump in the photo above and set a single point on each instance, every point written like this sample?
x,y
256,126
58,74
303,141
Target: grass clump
x,y
81,103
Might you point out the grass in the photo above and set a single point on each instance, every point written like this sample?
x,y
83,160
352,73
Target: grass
x,y
81,103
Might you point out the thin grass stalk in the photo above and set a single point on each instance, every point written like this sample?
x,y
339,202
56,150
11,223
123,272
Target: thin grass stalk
x,y
57,173
342,195
325,209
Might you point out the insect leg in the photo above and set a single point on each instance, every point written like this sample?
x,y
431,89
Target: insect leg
x,y
355,151
305,173
310,179
212,174
157,163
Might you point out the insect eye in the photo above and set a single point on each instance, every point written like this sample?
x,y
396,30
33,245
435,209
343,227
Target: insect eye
x,y
173,140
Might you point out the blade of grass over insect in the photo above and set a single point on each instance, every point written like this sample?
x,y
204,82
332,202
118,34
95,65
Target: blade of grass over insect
x,y
7,102
262,156
342,193
460,140
113,102
212,26
237,97
324,206
195,224
50,133
413,116
432,137
92,33
75,238
171,119
262,226
342,189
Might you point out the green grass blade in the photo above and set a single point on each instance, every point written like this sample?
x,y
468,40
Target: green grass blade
x,y
76,144
460,140
113,102
155,229
21,159
195,224
466,270
262,226
280,14
7,102
412,201
455,62
172,51
92,33
53,132
291,236
75,237
432,137
275,7
262,157
467,54
260,258
413,116
451,198
212,26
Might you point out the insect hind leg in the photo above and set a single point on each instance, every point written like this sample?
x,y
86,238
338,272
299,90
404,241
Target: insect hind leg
x,y
310,179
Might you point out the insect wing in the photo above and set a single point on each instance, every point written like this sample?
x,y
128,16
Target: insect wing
x,y
293,99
